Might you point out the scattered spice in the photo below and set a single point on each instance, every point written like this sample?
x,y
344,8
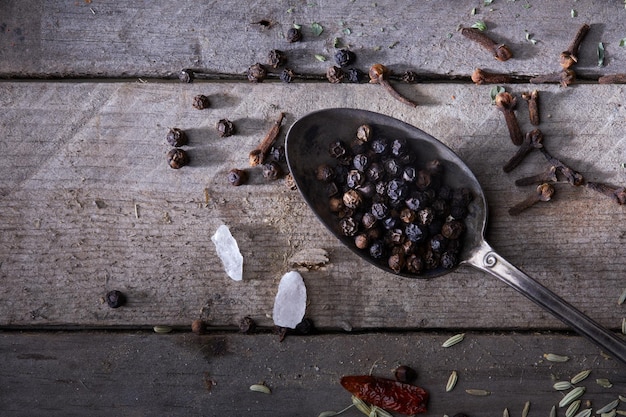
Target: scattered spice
x,y
452,379
581,376
272,170
115,299
480,77
256,73
572,396
618,194
287,75
201,102
258,155
553,357
378,75
186,76
612,79
569,57
225,128
547,176
177,137
453,340
262,388
532,140
344,57
500,51
276,58
335,74
387,393
237,177
478,392
565,78
177,158
506,103
544,192
405,374
294,35
162,329
317,29
198,326
247,325
532,98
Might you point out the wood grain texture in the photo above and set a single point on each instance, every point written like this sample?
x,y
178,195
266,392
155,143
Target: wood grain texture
x,y
89,205
158,38
181,374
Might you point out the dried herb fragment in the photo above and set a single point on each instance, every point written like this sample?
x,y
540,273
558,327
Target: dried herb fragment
x,y
387,393
317,29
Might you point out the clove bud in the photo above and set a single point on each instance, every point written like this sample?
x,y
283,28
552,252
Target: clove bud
x,y
544,192
257,156
378,75
532,99
506,103
501,52
532,140
480,77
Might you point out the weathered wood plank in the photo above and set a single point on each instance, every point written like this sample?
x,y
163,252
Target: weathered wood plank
x,y
79,158
183,374
158,38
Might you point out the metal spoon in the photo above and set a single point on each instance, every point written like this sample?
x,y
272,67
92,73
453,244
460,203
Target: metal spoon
x,y
306,147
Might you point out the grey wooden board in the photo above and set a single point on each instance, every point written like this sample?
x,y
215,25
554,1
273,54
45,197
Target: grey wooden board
x,y
158,38
181,374
89,205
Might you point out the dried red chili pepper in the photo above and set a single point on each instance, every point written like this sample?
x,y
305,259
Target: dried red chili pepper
x,y
387,393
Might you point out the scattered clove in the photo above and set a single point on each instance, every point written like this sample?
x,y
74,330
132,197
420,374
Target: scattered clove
x,y
569,57
480,77
612,79
532,140
500,51
565,78
532,98
547,176
618,194
258,155
544,192
506,102
573,177
378,75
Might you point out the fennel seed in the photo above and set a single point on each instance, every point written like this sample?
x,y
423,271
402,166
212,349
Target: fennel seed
x,y
553,411
260,388
580,376
609,407
585,413
624,325
622,298
604,383
572,409
452,381
457,338
478,392
505,413
571,396
361,405
562,385
162,329
552,357
526,409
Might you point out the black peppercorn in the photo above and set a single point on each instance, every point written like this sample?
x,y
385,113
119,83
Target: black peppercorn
x,y
452,229
396,262
177,158
352,199
449,260
247,325
354,75
186,76
368,220
177,137
360,162
409,77
344,57
438,243
276,58
237,177
348,226
361,241
272,171
355,178
256,73
324,173
277,153
425,216
115,299
287,75
334,75
380,210
380,146
377,249
397,190
294,35
415,264
337,149
200,102
423,179
415,233
198,326
305,327
225,128
405,374
375,172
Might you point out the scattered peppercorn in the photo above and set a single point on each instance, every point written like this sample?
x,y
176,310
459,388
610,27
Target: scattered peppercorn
x,y
198,326
272,170
409,77
287,75
115,299
237,177
186,76
225,127
177,137
405,374
294,35
277,153
177,158
290,182
256,73
247,325
335,75
306,326
276,58
344,57
201,102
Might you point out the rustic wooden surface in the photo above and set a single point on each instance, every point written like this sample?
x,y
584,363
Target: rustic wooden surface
x,y
88,204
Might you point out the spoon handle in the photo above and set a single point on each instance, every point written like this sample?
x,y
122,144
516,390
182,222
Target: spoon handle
x,y
484,258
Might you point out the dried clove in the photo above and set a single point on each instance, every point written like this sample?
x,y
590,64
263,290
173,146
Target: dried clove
x,y
532,140
506,103
569,57
378,75
532,98
565,78
573,177
612,79
544,192
547,176
500,51
480,77
618,194
257,156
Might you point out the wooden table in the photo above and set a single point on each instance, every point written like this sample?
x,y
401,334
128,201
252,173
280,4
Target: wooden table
x,y
89,204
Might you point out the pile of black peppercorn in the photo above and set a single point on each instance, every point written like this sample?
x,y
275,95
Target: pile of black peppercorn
x,y
403,215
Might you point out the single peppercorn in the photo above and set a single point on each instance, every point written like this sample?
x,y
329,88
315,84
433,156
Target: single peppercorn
x,y
405,374
348,226
306,326
409,77
354,75
287,75
198,327
396,262
294,35
201,102
115,299
361,241
276,58
186,76
272,171
247,325
177,158
225,128
237,177
277,153
334,75
177,137
325,173
344,57
256,73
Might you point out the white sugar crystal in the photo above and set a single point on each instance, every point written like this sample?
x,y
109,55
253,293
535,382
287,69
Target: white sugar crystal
x,y
290,302
228,251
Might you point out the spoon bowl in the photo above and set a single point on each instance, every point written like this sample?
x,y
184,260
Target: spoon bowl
x,y
306,148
